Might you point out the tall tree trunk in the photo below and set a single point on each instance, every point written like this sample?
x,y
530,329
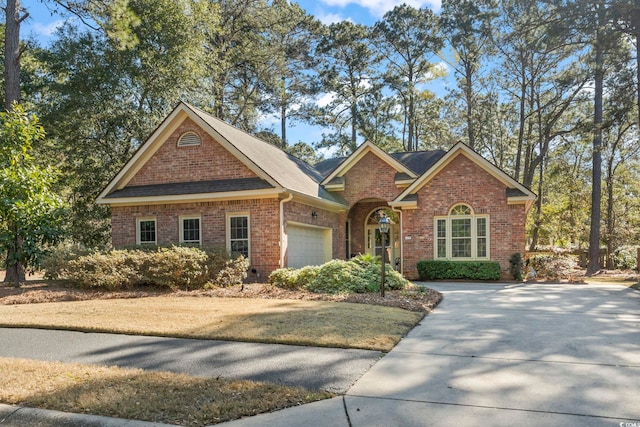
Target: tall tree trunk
x,y
411,119
523,94
636,27
15,273
283,115
12,54
538,214
469,95
609,221
596,172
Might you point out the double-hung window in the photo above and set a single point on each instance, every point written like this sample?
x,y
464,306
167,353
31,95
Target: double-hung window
x,y
190,231
461,235
238,240
146,231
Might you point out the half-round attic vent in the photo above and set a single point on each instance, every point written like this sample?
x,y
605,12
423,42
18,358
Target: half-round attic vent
x,y
188,139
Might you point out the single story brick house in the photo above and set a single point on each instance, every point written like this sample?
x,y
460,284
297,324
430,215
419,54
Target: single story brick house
x,y
199,180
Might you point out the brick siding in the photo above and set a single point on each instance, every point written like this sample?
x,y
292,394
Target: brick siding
x,y
207,161
264,227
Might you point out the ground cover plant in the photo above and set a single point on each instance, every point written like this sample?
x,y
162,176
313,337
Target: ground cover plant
x,y
140,395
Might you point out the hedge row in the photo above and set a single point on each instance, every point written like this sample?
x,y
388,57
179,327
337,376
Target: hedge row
x,y
362,274
175,267
471,270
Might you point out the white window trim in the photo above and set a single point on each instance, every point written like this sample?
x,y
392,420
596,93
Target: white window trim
x,y
474,236
230,215
146,218
192,142
181,227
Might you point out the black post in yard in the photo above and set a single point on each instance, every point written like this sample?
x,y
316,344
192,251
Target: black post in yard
x,y
384,228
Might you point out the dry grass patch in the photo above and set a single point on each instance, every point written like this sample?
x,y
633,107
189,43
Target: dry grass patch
x,y
140,395
299,322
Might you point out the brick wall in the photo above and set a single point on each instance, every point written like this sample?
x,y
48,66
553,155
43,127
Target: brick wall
x,y
203,162
370,178
263,222
462,181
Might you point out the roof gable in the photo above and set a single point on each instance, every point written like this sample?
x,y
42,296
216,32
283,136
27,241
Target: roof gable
x,y
516,192
365,148
280,170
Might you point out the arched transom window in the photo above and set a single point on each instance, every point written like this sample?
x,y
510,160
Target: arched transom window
x,y
462,234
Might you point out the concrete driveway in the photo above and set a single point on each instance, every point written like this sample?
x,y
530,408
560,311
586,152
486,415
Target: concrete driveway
x,y
511,355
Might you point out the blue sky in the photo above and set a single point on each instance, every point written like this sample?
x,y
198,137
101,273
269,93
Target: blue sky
x,y
44,20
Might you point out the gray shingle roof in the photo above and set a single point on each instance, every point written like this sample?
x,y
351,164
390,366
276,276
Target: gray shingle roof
x,y
419,161
199,187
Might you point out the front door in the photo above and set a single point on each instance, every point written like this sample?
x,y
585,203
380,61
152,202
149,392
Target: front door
x,y
373,239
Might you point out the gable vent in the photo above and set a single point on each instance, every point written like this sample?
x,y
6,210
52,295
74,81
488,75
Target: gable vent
x,y
188,139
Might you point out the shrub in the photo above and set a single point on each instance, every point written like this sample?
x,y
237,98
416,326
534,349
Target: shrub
x,y
624,258
175,267
361,274
113,270
233,272
338,276
55,263
516,266
553,266
473,270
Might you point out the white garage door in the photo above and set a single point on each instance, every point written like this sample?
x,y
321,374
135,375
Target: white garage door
x,y
308,245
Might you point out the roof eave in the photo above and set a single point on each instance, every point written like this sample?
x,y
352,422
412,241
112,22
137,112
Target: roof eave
x,y
189,198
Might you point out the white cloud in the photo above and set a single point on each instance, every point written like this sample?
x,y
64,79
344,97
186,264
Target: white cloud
x,y
380,7
439,69
330,18
326,99
47,30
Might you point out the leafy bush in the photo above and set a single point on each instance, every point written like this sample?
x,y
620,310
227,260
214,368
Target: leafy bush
x,y
516,266
113,270
338,276
233,272
55,263
175,267
361,274
473,270
624,258
554,266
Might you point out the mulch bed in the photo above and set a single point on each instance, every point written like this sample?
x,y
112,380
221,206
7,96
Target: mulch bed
x,y
40,291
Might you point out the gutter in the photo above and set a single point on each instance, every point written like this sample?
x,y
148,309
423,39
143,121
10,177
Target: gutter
x,y
282,246
401,237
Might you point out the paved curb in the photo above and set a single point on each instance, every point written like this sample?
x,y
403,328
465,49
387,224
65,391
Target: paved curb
x,y
18,416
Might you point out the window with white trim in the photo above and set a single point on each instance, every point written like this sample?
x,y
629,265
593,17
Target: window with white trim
x,y
146,231
189,139
461,235
190,229
238,240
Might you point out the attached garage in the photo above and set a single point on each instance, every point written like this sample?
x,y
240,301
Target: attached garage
x,y
308,245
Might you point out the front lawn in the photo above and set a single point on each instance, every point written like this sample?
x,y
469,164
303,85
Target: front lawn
x,y
140,395
286,321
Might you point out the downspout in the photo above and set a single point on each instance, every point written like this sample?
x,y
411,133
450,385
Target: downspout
x,y
282,246
401,240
